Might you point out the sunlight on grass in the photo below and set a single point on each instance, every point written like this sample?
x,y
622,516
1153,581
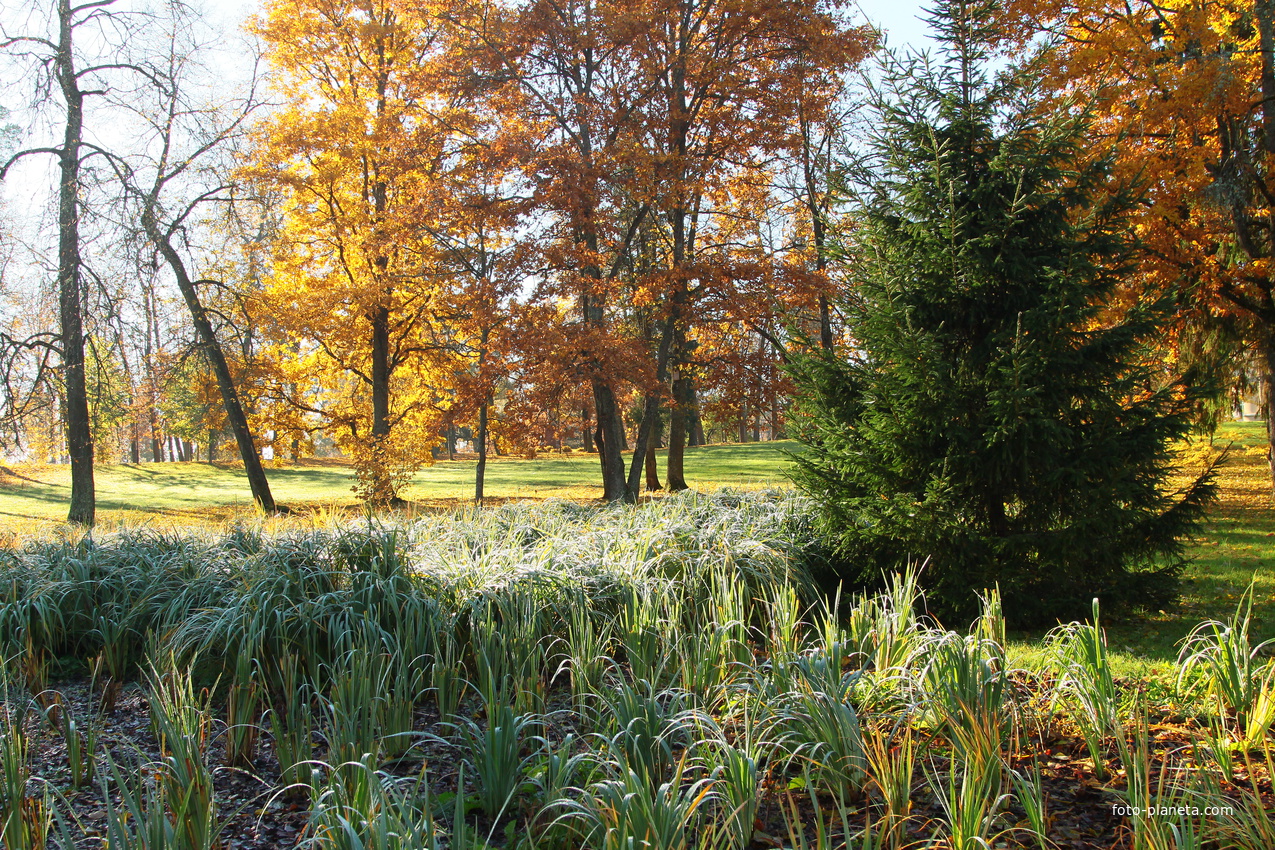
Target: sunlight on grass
x,y
33,499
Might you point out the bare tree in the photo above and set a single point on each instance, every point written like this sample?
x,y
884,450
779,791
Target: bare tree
x,y
61,65
181,169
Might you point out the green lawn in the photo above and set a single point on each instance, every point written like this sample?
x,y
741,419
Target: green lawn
x,y
1237,545
34,497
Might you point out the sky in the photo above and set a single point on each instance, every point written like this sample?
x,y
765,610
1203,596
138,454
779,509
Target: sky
x,y
899,18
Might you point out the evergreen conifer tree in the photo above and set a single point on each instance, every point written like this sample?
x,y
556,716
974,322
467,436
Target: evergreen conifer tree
x,y
995,414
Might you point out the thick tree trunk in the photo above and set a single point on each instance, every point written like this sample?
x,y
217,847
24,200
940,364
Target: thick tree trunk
x,y
614,485
610,435
1265,10
825,323
651,407
157,440
79,437
586,429
211,347
679,422
652,471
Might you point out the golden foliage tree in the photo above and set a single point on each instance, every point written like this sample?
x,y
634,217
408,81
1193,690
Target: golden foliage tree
x,y
1188,89
353,147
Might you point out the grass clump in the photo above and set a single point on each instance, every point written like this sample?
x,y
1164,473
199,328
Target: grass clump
x,y
553,676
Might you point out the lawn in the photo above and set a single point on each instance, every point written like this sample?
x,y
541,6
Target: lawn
x,y
36,497
1236,547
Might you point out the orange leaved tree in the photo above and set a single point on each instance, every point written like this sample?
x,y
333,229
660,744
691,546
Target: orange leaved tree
x,y
358,137
1188,89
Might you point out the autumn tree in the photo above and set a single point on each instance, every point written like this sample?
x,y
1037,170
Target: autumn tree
x,y
1188,88
469,214
351,146
76,79
182,169
722,83
562,73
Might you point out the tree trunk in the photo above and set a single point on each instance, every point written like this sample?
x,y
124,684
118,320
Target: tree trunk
x,y
157,440
382,489
825,323
1265,14
652,472
678,424
586,430
480,443
1268,392
79,437
212,445
211,347
610,427
697,422
651,407
610,431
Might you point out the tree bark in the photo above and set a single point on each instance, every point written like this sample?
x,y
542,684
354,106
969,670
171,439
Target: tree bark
x,y
1265,10
480,443
610,427
157,440
382,488
678,424
1268,400
652,471
79,437
651,408
211,348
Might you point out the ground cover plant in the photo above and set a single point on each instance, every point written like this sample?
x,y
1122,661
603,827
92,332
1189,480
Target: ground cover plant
x,y
558,675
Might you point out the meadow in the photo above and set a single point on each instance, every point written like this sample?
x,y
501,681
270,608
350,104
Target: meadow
x,y
34,498
569,675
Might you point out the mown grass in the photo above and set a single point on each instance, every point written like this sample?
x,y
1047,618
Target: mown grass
x,y
34,498
1235,547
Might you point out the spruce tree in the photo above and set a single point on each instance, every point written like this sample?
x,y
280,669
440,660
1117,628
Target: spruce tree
x,y
996,413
